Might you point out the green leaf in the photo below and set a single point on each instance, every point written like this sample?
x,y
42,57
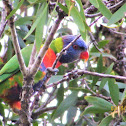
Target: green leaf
x,y
83,33
60,94
106,121
68,102
51,18
120,85
100,64
76,15
101,44
93,109
99,69
73,83
9,50
81,9
21,42
35,123
79,89
114,91
32,1
103,55
15,3
109,69
99,102
64,8
55,78
0,46
77,18
39,18
104,80
68,3
65,31
117,15
24,20
40,27
22,34
71,114
104,10
95,3
1,110
14,10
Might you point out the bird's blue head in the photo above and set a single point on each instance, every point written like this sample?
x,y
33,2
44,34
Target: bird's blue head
x,y
78,50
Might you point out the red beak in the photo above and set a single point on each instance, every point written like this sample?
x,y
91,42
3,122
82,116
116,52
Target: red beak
x,y
84,55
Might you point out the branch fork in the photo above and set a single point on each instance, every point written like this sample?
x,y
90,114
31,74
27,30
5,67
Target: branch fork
x,y
30,71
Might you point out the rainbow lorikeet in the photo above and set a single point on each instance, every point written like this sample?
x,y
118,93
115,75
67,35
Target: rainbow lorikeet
x,y
11,77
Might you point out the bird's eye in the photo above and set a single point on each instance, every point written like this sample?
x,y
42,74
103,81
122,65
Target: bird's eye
x,y
75,46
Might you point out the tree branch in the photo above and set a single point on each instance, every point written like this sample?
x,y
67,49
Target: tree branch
x,y
76,73
81,72
95,21
42,110
42,52
93,9
116,32
8,9
94,41
46,45
94,93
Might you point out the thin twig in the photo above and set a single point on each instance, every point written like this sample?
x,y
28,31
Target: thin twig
x,y
94,93
115,32
79,72
111,8
49,99
94,42
42,110
95,21
93,15
120,3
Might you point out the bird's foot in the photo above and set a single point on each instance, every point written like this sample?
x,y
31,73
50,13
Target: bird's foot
x,y
52,71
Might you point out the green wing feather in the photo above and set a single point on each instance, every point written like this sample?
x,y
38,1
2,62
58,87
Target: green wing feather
x,y
12,66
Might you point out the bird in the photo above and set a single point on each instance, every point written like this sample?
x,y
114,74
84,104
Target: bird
x,y
11,79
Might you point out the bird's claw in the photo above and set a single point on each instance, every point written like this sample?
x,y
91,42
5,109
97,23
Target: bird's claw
x,y
52,71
